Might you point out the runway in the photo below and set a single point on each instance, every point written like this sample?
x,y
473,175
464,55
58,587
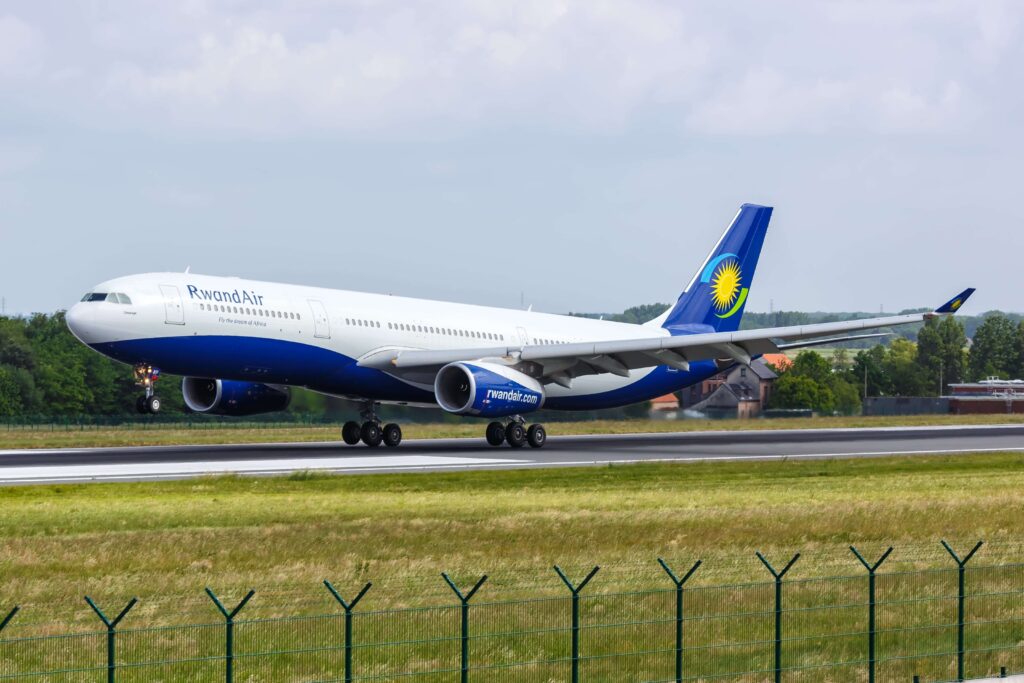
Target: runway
x,y
438,455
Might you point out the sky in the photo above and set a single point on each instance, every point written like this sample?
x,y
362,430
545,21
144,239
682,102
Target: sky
x,y
572,156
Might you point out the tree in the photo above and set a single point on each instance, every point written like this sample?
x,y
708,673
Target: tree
x,y
640,314
812,383
841,361
994,350
798,391
10,394
1018,372
812,364
940,351
869,372
906,376
847,398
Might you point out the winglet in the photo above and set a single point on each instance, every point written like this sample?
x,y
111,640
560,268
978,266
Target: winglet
x,y
954,304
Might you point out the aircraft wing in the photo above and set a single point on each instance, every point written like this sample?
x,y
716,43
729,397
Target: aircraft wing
x,y
560,363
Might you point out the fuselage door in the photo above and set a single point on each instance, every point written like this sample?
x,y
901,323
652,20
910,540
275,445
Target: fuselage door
x,y
174,312
524,339
321,325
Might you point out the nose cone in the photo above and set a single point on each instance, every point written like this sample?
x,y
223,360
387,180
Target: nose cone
x,y
82,323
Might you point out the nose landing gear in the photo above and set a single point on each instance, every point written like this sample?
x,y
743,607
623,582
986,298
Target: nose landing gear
x,y
146,376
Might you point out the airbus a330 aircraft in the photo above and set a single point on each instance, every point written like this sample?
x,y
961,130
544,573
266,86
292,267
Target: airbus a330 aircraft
x,y
240,344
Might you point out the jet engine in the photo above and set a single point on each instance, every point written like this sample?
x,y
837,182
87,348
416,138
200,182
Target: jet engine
x,y
229,397
486,390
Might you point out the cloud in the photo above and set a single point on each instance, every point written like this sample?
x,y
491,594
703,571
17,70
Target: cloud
x,y
588,64
583,66
21,48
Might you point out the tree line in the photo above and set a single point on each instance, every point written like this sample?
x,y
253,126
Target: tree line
x,y
836,382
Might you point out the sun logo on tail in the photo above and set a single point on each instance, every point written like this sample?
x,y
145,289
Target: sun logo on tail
x,y
725,285
725,279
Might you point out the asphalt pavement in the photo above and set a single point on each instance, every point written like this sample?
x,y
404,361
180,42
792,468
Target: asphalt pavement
x,y
176,462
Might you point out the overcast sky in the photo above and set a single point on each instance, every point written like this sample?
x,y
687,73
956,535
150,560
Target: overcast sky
x,y
584,155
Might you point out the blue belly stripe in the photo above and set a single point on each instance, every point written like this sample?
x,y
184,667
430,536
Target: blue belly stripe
x,y
275,361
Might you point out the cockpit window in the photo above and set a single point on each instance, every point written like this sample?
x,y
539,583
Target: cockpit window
x,y
109,297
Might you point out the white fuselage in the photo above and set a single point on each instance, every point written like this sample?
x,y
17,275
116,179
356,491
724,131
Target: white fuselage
x,y
230,328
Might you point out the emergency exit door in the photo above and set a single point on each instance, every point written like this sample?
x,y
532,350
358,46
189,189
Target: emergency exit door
x,y
321,325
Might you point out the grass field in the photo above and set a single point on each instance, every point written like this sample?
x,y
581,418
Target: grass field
x,y
165,541
159,434
282,536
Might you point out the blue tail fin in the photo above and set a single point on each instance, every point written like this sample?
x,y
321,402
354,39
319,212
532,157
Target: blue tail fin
x,y
716,295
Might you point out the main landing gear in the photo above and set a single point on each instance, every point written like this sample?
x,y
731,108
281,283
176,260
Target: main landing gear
x,y
370,431
516,434
145,377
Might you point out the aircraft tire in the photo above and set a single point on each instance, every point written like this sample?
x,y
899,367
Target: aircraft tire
x,y
536,436
153,405
392,435
351,433
495,433
515,435
371,434
140,405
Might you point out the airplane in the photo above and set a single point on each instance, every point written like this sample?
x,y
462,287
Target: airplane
x,y
241,344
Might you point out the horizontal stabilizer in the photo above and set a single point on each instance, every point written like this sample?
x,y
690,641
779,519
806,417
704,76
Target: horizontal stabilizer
x,y
954,304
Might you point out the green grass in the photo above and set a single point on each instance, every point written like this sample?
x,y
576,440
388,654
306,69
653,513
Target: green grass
x,y
165,541
158,434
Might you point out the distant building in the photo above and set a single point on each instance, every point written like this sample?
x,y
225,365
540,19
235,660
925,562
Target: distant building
x,y
665,407
992,395
740,392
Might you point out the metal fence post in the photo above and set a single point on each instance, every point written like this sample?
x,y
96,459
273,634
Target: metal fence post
x,y
7,619
872,568
111,625
464,599
778,610
575,590
679,611
348,606
960,565
229,639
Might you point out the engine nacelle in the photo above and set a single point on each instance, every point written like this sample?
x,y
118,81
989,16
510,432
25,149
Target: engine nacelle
x,y
486,389
229,397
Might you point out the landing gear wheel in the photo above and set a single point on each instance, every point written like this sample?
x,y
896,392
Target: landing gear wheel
x,y
351,433
371,434
153,405
495,433
140,405
536,436
515,435
392,435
